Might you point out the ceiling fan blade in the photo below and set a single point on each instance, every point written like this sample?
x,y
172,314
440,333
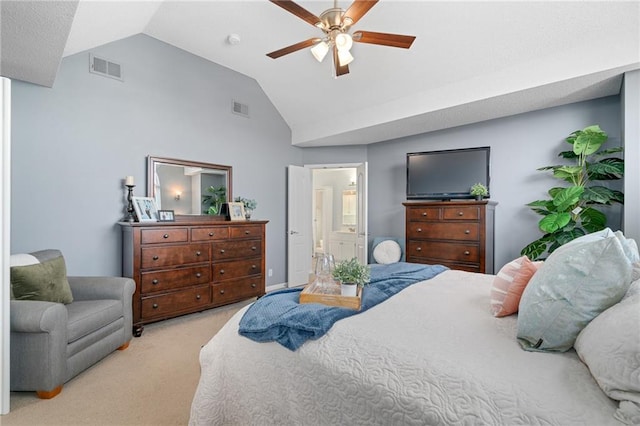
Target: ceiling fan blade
x,y
293,48
340,69
297,10
357,10
393,40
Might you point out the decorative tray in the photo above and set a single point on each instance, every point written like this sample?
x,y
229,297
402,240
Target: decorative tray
x,y
314,293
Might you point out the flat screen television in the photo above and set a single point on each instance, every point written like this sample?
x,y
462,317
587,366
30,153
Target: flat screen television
x,y
447,174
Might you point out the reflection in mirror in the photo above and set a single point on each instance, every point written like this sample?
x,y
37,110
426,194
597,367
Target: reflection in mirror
x,y
348,207
183,186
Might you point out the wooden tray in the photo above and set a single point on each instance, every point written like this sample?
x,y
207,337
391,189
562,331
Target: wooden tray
x,y
309,295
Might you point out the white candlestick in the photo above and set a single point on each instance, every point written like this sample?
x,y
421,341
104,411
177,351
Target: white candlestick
x,y
128,180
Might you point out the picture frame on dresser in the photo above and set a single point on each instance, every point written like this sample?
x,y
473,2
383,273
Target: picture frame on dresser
x,y
145,209
236,211
166,216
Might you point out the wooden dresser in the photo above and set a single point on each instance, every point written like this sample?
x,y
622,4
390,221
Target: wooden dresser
x,y
457,234
191,265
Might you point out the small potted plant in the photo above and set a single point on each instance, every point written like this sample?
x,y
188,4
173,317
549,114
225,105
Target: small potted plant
x,y
249,206
351,275
479,191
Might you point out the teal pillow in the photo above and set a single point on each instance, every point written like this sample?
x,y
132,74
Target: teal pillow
x,y
576,283
42,281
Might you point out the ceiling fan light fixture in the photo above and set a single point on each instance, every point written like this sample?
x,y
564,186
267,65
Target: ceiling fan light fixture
x,y
344,57
319,51
343,42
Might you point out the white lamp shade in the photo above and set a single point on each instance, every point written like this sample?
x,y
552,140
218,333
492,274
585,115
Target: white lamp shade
x,y
343,41
319,51
344,57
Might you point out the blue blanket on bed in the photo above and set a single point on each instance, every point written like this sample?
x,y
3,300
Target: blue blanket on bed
x,y
280,317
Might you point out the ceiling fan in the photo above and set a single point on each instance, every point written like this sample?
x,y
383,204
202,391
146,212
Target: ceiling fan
x,y
335,23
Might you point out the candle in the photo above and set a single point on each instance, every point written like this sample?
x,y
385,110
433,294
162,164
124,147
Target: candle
x,y
128,180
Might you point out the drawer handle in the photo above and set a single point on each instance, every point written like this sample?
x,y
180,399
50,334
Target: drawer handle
x,y
211,234
198,275
247,232
254,248
424,214
221,251
467,253
165,236
253,285
155,306
198,296
155,257
198,253
460,213
418,248
221,271
419,229
253,266
467,231
221,291
154,282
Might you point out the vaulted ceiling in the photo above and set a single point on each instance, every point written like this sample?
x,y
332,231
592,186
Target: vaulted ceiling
x,y
471,60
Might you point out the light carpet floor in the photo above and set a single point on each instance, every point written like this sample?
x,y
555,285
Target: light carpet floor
x,y
152,382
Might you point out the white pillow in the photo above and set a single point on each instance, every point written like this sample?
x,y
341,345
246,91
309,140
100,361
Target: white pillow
x,y
610,346
387,252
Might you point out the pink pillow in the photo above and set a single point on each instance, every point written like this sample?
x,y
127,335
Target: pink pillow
x,y
509,284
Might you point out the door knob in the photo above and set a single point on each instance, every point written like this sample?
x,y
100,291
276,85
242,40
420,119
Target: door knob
x,y
293,232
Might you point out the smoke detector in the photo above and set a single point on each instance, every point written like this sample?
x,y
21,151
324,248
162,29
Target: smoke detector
x,y
233,39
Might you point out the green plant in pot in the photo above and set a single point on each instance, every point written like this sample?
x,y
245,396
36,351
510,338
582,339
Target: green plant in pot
x,y
213,203
351,274
572,211
479,191
249,205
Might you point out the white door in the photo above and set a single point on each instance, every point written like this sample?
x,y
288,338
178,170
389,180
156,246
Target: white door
x,y
361,225
299,225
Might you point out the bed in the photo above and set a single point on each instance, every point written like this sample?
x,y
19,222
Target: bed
x,y
432,354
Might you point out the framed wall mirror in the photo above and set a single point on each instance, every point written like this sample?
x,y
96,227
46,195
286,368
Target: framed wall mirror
x,y
188,187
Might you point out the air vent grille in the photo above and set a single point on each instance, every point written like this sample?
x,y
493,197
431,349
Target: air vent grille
x,y
240,109
105,67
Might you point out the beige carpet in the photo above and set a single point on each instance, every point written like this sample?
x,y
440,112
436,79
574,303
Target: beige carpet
x,y
150,383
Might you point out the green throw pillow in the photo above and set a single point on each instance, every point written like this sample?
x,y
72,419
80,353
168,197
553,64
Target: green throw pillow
x,y
42,281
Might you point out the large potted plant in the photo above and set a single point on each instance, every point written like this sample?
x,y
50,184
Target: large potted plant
x,y
573,210
351,275
213,203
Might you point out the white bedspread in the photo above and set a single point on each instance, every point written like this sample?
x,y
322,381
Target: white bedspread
x,y
431,355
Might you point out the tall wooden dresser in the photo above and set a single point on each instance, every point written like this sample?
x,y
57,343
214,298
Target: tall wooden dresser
x,y
457,234
191,265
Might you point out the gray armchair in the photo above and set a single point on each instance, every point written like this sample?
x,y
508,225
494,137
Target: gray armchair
x,y
52,342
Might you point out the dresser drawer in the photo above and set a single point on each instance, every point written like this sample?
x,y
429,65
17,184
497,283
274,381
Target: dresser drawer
x,y
164,235
183,300
250,231
210,234
461,213
158,257
423,213
237,289
154,281
235,249
469,267
444,231
445,251
238,269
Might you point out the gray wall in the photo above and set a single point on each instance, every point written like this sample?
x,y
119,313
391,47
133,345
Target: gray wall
x,y
73,144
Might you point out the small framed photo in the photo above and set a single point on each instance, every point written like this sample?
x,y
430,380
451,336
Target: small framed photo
x,y
166,216
145,208
236,211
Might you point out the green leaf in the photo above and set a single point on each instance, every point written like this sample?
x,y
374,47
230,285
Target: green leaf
x,y
554,221
609,151
589,140
569,155
568,173
598,195
568,198
607,169
535,249
592,220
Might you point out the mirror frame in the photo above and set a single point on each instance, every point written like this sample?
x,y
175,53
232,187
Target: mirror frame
x,y
151,166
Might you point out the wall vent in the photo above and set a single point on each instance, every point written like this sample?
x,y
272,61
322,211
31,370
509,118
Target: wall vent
x,y
105,67
240,109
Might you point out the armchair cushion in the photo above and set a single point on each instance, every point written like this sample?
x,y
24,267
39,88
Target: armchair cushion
x,y
40,276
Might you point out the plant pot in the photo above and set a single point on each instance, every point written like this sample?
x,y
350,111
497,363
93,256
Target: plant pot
x,y
349,289
479,197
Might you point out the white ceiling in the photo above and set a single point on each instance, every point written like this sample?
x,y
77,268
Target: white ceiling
x,y
471,61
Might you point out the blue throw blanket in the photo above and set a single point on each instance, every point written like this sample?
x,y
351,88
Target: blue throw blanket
x,y
280,317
